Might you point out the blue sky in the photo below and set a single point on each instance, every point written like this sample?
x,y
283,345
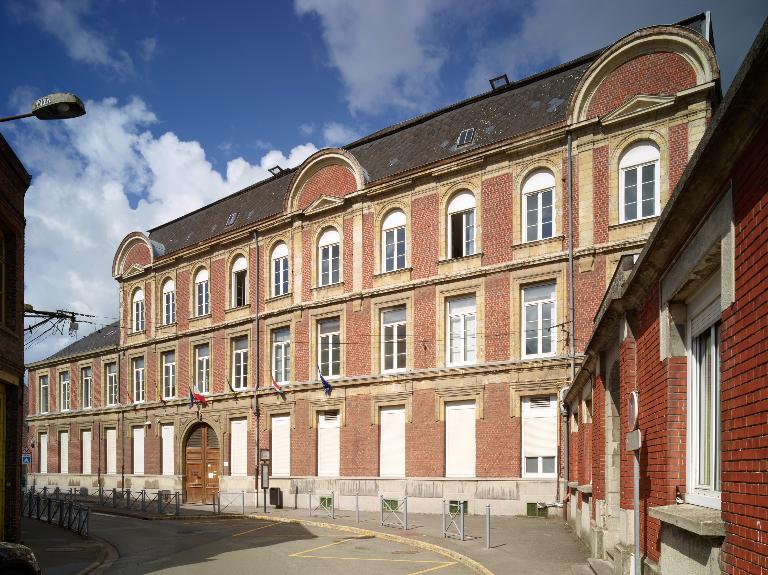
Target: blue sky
x,y
189,101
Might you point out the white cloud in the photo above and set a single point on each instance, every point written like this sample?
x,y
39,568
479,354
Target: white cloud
x,y
148,49
99,177
307,129
382,50
336,134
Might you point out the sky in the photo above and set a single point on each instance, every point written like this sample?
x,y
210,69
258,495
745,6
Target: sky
x,y
189,101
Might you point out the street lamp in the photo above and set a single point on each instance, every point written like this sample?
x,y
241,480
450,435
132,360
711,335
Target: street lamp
x,y
56,106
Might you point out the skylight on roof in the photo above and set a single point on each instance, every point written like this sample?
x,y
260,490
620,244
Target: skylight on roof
x,y
231,219
275,170
465,137
499,82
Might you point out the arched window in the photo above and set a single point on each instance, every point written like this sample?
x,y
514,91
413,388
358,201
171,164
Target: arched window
x,y
138,310
239,282
280,269
169,302
328,251
461,225
538,206
393,241
639,178
202,298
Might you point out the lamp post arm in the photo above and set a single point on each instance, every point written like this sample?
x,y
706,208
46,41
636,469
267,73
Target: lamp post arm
x,y
19,117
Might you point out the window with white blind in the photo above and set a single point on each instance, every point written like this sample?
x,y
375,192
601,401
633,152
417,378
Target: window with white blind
x,y
239,447
393,241
639,178
169,374
393,356
539,436
137,368
42,452
281,354
202,295
392,441
462,328
461,225
86,382
167,438
240,363
460,446
111,436
64,452
202,368
85,451
64,391
538,206
539,320
329,346
328,252
280,269
281,445
169,302
239,296
328,456
138,450
111,383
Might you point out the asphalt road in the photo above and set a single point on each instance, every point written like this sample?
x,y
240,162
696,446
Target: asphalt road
x,y
249,546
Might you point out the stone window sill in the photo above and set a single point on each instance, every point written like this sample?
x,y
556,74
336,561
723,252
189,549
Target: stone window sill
x,y
702,521
573,484
586,489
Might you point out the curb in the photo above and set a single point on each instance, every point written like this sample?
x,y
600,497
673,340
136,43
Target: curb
x,y
454,555
109,555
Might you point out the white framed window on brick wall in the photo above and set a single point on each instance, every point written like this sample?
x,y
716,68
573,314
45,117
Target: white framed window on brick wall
x,y
280,269
393,339
202,295
538,206
203,368
169,302
239,447
461,225
281,354
138,310
167,438
138,450
539,436
460,441
43,393
169,374
64,391
704,415
85,451
64,452
137,371
42,452
639,182
111,450
239,281
393,241
329,346
328,455
461,327
240,363
539,319
281,445
110,371
328,257
392,441
86,383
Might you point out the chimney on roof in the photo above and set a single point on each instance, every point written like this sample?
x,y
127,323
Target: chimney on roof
x,y
499,82
275,170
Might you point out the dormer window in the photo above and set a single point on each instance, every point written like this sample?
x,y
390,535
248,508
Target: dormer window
x,y
465,137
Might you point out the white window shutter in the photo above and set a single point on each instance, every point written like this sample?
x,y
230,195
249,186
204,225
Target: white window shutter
x,y
64,452
138,451
539,427
328,460
239,447
44,453
111,451
392,442
281,445
460,439
168,449
85,452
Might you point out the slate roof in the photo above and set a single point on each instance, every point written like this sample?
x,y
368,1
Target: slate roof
x,y
104,338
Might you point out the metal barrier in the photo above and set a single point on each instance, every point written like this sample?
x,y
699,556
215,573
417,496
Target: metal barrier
x,y
453,521
393,512
325,503
234,502
163,502
55,510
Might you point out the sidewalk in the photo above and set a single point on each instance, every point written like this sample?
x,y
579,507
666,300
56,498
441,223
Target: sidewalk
x,y
59,551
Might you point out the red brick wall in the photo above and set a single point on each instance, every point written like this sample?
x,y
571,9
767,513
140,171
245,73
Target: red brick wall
x,y
497,320
182,300
139,254
663,73
303,442
368,248
589,288
598,441
424,328
600,203
678,153
564,202
424,236
495,435
218,290
424,458
347,251
332,180
358,340
307,248
304,368
220,372
496,200
359,441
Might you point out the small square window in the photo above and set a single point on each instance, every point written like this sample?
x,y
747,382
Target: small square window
x,y
231,219
465,137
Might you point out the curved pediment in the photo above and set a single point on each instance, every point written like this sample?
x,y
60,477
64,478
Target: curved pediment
x,y
323,180
133,256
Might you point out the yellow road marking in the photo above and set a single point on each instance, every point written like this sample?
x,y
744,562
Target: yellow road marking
x,y
435,568
300,553
255,529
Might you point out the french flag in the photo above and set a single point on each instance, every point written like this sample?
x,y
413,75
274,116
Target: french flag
x,y
278,387
326,386
195,397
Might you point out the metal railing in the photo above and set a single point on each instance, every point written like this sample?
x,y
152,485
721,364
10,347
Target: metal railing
x,y
453,519
325,504
230,502
162,502
56,510
393,512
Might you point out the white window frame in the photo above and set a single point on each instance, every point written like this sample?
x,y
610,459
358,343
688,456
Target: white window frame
x,y
464,204
393,234
169,302
112,388
239,274
139,383
536,185
44,396
635,158
86,385
281,355
329,254
467,341
138,311
539,303
239,363
528,411
202,293
399,345
332,342
280,270
169,374
64,391
203,369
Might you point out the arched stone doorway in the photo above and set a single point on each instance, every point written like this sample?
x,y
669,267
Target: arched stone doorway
x,y
201,464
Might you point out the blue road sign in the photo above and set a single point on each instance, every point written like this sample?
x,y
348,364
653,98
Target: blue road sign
x,y
26,459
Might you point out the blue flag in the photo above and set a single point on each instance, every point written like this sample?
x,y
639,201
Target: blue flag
x,y
326,385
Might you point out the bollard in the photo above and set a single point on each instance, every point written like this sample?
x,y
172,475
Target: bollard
x,y
296,498
443,518
243,500
488,526
357,508
114,497
159,503
381,510
405,513
461,515
309,503
333,505
178,509
143,499
128,499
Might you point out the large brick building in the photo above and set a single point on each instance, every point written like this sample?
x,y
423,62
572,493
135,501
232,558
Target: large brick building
x,y
442,274
684,327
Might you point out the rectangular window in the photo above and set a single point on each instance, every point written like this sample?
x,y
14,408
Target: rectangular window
x,y
539,436
460,439
42,452
64,391
280,273
240,363
329,346
461,326
538,215
393,339
539,320
138,315
85,451
86,382
240,288
168,451
64,452
137,365
239,447
169,375
639,191
111,378
462,233
329,264
392,441
44,397
202,368
201,291
111,436
169,307
394,249
328,444
138,451
281,354
281,445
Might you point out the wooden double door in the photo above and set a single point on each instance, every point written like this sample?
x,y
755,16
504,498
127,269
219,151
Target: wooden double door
x,y
201,458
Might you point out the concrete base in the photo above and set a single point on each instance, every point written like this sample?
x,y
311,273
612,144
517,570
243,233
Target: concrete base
x,y
91,482
688,553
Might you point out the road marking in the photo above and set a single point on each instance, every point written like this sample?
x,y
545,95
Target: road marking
x,y
255,529
300,553
435,568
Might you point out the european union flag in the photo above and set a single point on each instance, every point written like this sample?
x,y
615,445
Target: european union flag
x,y
326,385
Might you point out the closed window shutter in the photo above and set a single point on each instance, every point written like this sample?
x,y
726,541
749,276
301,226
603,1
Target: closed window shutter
x,y
85,450
539,426
328,444
705,318
138,451
392,442
239,447
44,453
281,445
460,439
167,437
111,451
64,452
